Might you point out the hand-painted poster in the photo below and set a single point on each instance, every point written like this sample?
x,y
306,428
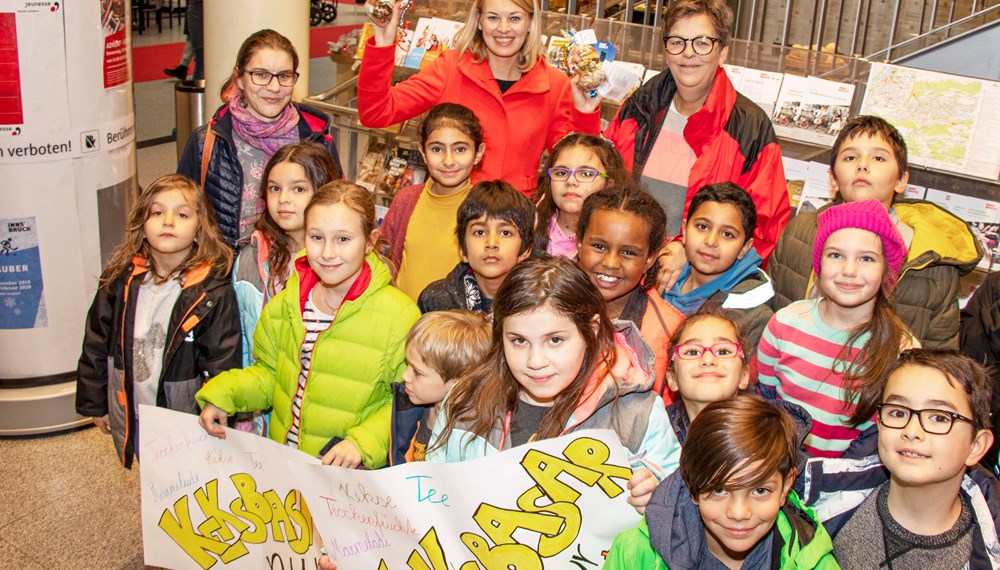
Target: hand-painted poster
x,y
22,304
242,502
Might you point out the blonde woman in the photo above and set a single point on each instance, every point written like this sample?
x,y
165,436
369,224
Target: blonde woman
x,y
498,70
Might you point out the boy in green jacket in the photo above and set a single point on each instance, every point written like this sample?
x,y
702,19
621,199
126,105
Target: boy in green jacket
x,y
730,504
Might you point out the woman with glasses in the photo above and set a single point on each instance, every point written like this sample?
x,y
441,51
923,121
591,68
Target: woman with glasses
x,y
688,127
498,70
257,117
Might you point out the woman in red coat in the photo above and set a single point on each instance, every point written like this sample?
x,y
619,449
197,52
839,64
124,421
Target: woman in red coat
x,y
497,70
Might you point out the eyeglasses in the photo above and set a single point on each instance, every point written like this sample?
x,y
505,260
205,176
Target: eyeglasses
x,y
694,351
262,77
937,422
702,45
582,175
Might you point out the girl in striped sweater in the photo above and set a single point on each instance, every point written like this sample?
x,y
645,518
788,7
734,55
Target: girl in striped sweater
x,y
827,354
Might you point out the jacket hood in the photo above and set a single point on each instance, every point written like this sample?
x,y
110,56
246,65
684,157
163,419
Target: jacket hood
x,y
939,237
374,275
675,528
193,277
632,371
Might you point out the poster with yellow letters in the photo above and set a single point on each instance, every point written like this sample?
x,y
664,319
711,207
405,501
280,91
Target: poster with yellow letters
x,y
248,502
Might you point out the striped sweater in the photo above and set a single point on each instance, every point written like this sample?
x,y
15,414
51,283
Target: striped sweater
x,y
796,358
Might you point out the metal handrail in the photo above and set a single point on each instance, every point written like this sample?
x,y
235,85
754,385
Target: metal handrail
x,y
757,15
945,28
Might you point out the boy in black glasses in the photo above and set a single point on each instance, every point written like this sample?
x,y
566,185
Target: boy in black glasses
x,y
922,502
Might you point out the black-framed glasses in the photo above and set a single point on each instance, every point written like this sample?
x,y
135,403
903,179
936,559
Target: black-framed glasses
x,y
937,422
582,175
702,45
693,351
263,77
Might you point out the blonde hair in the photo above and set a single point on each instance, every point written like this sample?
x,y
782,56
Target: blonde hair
x,y
470,37
451,342
208,247
359,200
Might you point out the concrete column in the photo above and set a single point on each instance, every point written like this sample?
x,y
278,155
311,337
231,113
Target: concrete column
x,y
228,22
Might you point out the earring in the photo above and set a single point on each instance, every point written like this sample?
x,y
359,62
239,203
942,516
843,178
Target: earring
x,y
243,103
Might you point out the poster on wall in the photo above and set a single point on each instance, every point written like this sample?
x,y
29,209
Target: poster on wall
x,y
761,87
113,23
811,109
21,293
210,503
32,39
949,122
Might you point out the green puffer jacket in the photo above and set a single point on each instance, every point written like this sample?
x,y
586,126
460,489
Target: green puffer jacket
x,y
355,360
633,549
943,249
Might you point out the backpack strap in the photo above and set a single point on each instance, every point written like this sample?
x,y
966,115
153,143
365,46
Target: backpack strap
x,y
206,151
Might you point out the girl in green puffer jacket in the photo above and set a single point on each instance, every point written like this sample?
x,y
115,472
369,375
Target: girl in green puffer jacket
x,y
329,345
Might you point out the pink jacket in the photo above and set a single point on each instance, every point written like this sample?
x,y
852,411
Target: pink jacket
x,y
517,125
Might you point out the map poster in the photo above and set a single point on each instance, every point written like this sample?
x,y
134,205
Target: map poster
x,y
249,502
23,306
949,122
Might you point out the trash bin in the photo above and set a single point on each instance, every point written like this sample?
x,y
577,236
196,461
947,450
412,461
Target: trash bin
x,y
189,106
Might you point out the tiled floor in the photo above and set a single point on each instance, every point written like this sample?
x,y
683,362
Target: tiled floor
x,y
65,502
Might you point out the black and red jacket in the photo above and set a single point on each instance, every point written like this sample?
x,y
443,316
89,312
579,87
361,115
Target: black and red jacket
x,y
203,339
732,139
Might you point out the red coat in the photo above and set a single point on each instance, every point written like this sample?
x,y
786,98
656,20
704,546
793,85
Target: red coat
x,y
732,139
517,125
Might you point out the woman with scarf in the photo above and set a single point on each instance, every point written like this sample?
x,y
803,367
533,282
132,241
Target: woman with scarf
x,y
257,117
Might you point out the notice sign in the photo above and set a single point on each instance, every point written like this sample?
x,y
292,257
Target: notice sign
x,y
248,502
21,301
115,44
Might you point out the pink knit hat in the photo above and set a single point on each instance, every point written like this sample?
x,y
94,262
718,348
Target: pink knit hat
x,y
869,215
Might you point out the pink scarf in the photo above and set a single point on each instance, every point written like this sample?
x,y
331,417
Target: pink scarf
x,y
268,137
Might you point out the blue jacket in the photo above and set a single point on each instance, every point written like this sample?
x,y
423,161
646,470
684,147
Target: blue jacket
x,y
224,177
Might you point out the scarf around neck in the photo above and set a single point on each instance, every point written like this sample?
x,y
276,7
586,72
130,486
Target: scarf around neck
x,y
689,303
266,136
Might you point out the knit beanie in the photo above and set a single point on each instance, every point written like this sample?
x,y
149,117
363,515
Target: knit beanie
x,y
869,215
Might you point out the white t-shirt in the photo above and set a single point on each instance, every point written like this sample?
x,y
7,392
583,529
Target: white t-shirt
x,y
153,307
